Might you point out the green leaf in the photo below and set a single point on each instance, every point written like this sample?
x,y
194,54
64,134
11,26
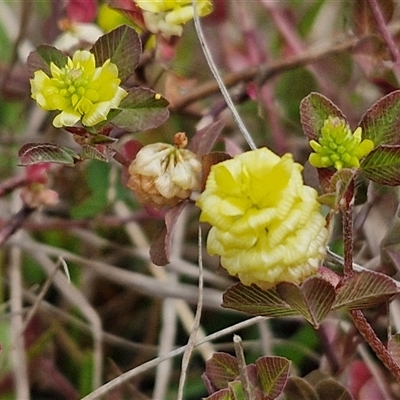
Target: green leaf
x,y
394,347
223,394
253,300
381,122
330,389
43,56
272,373
142,109
314,110
365,289
236,389
297,388
382,165
37,153
123,46
313,299
221,369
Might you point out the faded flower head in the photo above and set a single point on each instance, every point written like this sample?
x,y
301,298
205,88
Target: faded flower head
x,y
338,146
168,16
163,174
266,224
80,90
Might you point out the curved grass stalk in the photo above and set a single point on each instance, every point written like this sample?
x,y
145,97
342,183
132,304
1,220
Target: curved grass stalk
x,y
222,87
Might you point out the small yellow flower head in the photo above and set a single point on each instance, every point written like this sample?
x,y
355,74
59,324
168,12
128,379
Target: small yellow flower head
x,y
162,174
338,146
266,224
168,16
80,90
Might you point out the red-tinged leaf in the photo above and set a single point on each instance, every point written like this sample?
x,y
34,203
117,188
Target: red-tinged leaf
x,y
313,299
221,369
36,153
273,373
203,140
394,347
160,248
43,56
208,161
314,110
363,22
223,394
142,109
381,122
123,46
365,289
101,153
299,389
253,300
342,184
129,9
382,165
331,389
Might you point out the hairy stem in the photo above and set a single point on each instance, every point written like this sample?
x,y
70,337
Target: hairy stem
x,y
377,346
359,320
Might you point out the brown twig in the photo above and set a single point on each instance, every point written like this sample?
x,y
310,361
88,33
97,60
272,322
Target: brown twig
x,y
386,35
262,73
11,226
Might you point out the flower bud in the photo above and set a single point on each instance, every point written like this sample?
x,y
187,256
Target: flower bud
x,y
163,174
338,146
168,16
266,224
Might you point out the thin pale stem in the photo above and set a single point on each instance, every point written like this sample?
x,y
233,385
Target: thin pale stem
x,y
222,87
237,344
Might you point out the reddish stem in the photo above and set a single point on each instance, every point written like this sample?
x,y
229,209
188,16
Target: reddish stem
x,y
383,30
359,320
377,346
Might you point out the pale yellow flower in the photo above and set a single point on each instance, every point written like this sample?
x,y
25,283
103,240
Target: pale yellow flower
x,y
266,224
168,16
162,174
80,90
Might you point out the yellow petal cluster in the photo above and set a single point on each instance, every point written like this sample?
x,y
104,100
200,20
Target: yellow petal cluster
x,y
80,90
266,224
162,174
168,16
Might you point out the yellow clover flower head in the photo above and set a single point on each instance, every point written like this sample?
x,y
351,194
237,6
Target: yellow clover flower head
x,y
163,174
266,224
168,16
80,90
338,146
